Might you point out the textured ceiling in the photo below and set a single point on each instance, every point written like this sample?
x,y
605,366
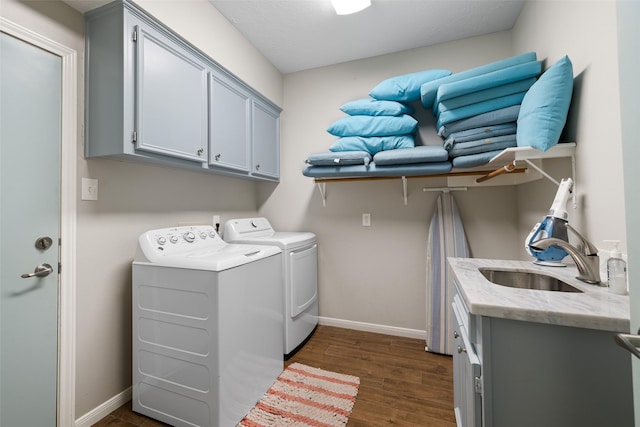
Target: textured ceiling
x,y
297,35
302,34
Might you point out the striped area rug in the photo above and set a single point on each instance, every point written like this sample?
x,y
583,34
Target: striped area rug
x,y
305,396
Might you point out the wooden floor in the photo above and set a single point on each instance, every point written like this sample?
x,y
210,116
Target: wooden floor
x,y
400,383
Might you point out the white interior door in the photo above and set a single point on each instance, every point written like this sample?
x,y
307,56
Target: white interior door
x,y
30,137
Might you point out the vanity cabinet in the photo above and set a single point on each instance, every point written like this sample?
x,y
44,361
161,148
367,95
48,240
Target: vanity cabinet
x,y
151,96
467,396
528,374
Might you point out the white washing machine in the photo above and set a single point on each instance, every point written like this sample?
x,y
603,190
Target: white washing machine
x,y
300,272
207,326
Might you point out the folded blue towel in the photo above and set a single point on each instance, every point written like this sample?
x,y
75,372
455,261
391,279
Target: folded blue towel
x,y
421,154
483,145
479,108
428,90
474,160
504,115
479,133
484,95
488,80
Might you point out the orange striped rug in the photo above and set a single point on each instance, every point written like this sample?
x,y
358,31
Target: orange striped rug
x,y
305,396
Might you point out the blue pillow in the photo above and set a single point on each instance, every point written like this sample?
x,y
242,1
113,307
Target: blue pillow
x,y
407,86
374,107
422,154
373,144
544,109
373,126
330,158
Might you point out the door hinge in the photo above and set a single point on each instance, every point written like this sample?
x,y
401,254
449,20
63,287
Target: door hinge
x,y
134,136
477,385
134,36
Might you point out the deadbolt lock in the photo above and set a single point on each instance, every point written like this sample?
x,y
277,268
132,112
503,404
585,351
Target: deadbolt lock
x,y
44,243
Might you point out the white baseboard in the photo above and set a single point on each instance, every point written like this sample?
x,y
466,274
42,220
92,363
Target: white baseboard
x,y
95,415
372,327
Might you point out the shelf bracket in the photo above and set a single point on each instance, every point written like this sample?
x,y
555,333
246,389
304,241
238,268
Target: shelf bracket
x,y
542,172
555,181
404,189
322,188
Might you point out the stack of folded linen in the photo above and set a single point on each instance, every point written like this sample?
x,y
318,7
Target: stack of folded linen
x,y
378,124
477,109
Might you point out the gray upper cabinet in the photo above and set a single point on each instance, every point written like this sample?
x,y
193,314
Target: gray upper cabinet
x,y
266,140
230,135
170,98
152,96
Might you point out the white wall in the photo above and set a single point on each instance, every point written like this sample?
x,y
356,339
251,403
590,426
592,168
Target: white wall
x,y
377,274
135,197
586,32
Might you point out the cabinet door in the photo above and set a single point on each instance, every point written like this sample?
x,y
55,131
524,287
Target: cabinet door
x,y
266,140
230,130
467,379
171,98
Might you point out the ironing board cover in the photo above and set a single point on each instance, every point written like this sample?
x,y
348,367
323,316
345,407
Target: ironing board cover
x,y
446,239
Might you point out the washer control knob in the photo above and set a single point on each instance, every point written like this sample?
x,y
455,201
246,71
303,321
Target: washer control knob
x,y
161,240
212,234
203,235
189,237
173,239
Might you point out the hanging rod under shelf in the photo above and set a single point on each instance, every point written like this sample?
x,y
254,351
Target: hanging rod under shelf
x,y
322,188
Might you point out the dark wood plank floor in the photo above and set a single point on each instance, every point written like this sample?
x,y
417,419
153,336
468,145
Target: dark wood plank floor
x,y
400,383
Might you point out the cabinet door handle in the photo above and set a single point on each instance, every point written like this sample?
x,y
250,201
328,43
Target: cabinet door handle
x,y
200,151
217,157
461,349
456,334
629,342
258,167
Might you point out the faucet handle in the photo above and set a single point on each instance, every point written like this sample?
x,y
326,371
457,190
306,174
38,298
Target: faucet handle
x,y
589,248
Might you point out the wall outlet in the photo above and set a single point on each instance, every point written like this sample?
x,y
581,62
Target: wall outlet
x,y
366,219
89,189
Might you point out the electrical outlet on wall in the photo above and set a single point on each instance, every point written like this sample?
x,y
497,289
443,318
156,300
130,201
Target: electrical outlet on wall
x,y
366,219
89,189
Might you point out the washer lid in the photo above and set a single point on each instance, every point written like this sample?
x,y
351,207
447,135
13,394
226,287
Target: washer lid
x,y
197,247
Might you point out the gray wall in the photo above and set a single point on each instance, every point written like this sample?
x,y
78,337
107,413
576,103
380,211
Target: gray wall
x,y
376,274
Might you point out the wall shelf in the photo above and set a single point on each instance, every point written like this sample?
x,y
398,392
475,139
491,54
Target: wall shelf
x,y
512,166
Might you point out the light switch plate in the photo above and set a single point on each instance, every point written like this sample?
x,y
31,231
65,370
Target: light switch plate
x,y
366,220
89,189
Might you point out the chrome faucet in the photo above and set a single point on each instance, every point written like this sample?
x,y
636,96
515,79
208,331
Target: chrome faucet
x,y
586,260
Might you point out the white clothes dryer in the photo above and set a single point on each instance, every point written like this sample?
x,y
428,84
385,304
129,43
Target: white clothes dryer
x,y
300,274
207,326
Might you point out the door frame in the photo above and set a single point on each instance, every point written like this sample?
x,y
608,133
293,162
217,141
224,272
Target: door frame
x,y
66,377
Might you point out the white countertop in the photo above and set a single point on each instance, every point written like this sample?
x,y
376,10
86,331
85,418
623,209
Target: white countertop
x,y
594,308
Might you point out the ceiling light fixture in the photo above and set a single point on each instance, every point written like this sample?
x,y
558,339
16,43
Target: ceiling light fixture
x,y
346,7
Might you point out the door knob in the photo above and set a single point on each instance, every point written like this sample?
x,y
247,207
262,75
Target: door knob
x,y
42,270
